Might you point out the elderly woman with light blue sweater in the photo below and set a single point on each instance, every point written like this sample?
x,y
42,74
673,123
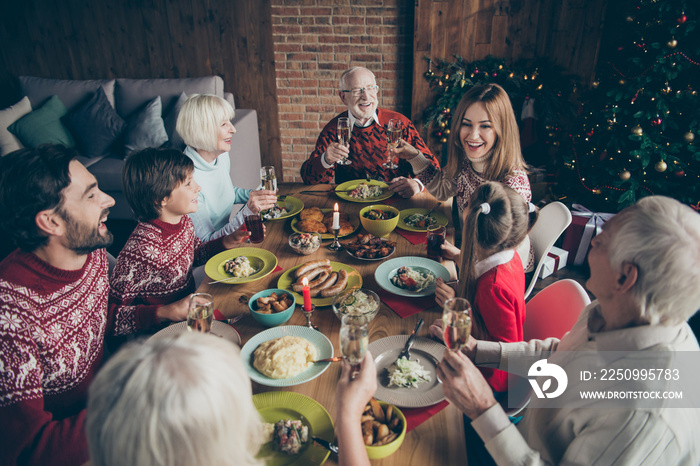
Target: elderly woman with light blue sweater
x,y
204,123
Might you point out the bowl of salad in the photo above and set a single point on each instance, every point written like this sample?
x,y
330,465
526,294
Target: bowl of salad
x,y
356,301
380,219
305,243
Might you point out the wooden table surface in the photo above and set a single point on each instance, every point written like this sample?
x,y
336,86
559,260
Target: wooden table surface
x,y
439,440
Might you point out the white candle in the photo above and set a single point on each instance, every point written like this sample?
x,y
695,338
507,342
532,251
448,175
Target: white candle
x,y
336,218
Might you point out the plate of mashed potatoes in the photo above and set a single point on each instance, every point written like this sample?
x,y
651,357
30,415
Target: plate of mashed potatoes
x,y
282,356
240,265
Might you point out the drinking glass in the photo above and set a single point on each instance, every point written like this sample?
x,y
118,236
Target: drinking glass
x,y
456,323
354,339
200,313
394,130
344,132
435,239
268,178
254,224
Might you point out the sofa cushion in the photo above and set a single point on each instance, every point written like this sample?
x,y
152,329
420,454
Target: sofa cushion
x,y
131,94
8,141
95,125
71,92
43,125
174,139
108,172
146,128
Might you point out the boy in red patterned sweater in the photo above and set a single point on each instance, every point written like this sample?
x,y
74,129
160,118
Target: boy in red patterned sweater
x,y
53,304
155,265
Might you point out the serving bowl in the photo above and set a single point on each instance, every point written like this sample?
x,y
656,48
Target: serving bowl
x,y
376,452
305,243
380,227
276,318
345,299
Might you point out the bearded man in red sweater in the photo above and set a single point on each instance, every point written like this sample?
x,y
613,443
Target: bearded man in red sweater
x,y
367,150
53,304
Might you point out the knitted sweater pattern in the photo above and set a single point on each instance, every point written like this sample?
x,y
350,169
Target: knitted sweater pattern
x,y
368,151
155,268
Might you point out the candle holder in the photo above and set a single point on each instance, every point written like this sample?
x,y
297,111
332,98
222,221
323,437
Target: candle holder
x,y
335,245
308,315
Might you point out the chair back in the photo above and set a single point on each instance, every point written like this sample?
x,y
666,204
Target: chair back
x,y
551,223
553,311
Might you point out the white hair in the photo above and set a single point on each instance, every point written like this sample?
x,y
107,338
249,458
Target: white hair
x,y
199,120
350,71
661,237
181,400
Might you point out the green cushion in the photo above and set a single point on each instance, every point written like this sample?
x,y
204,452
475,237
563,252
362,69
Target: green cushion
x,y
43,126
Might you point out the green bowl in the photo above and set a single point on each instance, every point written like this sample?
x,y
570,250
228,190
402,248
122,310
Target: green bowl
x,y
382,451
275,319
380,228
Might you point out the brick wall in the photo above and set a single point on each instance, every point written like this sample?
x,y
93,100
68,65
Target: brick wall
x,y
314,42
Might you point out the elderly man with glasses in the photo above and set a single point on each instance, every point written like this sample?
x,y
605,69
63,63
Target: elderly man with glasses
x,y
367,150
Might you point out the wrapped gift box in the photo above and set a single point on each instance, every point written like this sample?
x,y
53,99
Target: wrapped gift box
x,y
555,260
584,226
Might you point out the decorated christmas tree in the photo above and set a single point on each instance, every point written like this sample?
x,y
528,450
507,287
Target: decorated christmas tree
x,y
637,133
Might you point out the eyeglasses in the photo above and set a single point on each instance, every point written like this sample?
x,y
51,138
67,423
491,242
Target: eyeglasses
x,y
357,92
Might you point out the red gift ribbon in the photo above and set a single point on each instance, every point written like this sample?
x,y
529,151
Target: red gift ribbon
x,y
556,260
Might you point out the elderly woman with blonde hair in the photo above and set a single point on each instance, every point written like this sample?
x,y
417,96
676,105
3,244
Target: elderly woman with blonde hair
x,y
204,123
182,400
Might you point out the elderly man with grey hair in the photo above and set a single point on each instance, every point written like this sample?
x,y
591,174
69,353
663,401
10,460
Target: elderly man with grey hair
x,y
367,150
645,274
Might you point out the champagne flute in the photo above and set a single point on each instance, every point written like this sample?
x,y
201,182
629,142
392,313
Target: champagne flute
x,y
354,339
269,182
344,132
394,130
456,323
200,313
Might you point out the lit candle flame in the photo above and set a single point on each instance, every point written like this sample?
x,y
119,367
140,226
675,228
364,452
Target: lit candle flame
x,y
335,208
304,282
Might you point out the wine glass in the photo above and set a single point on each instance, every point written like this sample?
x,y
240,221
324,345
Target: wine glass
x,y
344,132
269,183
394,130
456,323
200,313
354,339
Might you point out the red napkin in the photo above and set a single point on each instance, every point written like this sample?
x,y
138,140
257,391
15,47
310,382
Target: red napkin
x,y
277,269
415,237
404,306
218,315
417,416
392,200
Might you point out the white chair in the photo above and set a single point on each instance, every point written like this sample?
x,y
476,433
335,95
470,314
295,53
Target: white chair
x,y
551,223
549,314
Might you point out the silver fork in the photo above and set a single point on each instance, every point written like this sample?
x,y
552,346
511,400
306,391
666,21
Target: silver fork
x,y
409,343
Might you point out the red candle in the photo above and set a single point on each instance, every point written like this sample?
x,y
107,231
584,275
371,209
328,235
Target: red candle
x,y
306,291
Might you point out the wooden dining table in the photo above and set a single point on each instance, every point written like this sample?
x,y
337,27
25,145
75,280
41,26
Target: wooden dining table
x,y
437,441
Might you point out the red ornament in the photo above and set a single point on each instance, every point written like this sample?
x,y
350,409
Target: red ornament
x,y
679,173
656,122
682,19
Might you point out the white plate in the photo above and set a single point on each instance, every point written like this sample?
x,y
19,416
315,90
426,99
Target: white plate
x,y
387,270
427,352
323,345
219,329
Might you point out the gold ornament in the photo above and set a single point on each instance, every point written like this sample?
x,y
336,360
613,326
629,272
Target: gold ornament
x,y
660,166
672,43
622,82
595,84
596,191
443,140
625,175
689,137
442,124
447,131
637,130
462,83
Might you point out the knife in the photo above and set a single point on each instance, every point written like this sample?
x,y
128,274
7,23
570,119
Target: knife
x,y
409,342
326,444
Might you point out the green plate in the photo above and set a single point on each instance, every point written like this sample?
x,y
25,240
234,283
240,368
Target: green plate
x,y
352,184
354,221
441,219
261,260
323,345
293,206
275,406
287,278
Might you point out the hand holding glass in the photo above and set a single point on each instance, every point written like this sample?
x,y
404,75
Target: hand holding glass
x,y
394,131
344,132
456,323
200,313
354,339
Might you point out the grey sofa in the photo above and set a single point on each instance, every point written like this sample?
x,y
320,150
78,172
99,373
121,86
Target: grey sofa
x,y
127,97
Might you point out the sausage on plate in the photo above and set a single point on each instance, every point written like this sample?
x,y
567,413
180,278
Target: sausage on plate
x,y
338,287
